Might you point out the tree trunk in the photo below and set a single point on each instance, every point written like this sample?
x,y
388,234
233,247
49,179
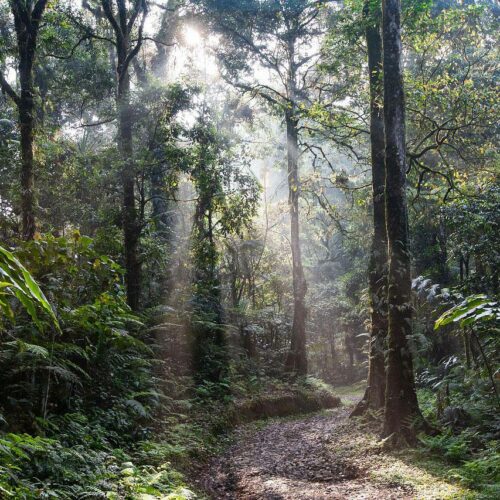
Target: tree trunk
x,y
131,228
374,397
161,211
467,348
333,353
159,62
26,21
444,274
166,38
297,357
26,122
402,414
123,24
26,39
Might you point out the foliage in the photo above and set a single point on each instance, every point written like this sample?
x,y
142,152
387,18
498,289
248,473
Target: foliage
x,y
474,309
227,199
17,281
472,230
86,384
35,467
453,448
51,378
482,472
476,469
98,335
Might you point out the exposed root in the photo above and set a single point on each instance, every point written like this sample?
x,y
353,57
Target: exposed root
x,y
360,408
397,441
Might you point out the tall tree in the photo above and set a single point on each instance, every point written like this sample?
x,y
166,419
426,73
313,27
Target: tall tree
x,y
269,52
124,20
165,37
297,356
402,413
374,397
27,18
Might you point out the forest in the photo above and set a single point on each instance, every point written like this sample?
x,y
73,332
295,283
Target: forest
x,y
249,249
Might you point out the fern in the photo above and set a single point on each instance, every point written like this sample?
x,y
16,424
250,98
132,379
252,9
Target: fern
x,y
21,347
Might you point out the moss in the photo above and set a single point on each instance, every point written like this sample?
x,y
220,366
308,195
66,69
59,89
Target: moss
x,y
305,396
283,405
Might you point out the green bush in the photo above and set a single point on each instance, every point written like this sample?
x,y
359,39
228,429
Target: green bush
x,y
478,469
482,472
455,448
73,397
35,467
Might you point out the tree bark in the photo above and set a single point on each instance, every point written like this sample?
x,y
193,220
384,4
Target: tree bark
x,y
26,22
123,23
402,414
161,211
374,397
27,31
131,228
28,202
297,358
166,36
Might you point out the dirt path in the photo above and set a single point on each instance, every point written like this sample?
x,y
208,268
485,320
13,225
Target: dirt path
x,y
326,456
310,458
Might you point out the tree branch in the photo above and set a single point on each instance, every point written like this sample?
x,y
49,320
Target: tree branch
x,y
108,11
37,12
70,55
135,50
7,89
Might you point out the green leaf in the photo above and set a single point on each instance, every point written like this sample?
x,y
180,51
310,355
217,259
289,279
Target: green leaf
x,y
17,280
474,309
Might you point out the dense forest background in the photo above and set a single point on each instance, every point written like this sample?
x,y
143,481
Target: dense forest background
x,y
214,211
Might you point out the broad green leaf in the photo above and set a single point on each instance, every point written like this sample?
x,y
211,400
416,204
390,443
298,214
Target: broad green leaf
x,y
476,308
18,280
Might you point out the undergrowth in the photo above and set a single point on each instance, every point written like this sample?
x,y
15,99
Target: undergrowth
x,y
469,450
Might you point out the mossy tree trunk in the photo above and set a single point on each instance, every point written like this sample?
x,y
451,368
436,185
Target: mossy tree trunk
x,y
402,414
123,23
297,356
374,397
27,18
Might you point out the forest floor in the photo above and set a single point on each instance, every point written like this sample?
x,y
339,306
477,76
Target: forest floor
x,y
322,456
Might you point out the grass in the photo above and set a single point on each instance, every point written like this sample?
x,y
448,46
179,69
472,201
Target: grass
x,y
423,475
351,394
